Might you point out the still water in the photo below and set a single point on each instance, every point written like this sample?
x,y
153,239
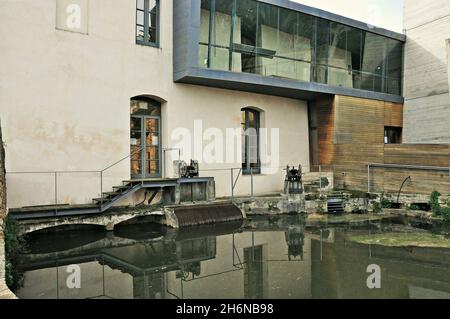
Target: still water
x,y
265,258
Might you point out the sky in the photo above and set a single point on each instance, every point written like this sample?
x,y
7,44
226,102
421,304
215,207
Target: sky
x,y
386,14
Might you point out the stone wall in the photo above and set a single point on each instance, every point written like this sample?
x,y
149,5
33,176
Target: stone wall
x,y
4,291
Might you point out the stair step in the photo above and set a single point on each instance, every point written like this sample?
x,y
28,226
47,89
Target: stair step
x,y
108,194
99,200
119,187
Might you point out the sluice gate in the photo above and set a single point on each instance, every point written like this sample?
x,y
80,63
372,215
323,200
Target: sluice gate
x,y
190,216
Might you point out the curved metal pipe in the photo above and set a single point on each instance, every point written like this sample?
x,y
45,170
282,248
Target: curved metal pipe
x,y
401,187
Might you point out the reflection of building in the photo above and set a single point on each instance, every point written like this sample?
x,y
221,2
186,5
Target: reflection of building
x,y
339,270
189,264
295,239
142,265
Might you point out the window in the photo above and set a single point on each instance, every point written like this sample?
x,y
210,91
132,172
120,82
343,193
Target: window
x,y
392,135
250,141
147,22
256,37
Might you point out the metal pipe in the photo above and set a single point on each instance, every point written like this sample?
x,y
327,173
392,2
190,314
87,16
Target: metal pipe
x,y
320,180
101,191
56,193
416,167
401,187
232,185
251,180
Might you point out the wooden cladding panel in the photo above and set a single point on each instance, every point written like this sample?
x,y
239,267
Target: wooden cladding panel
x,y
359,121
393,114
422,182
417,154
322,121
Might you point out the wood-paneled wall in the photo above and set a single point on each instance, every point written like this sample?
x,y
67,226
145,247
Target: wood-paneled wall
x,y
351,135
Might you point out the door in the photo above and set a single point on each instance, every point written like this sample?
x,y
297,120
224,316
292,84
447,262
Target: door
x,y
145,150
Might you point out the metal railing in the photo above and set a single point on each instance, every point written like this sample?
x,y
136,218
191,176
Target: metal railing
x,y
403,167
234,179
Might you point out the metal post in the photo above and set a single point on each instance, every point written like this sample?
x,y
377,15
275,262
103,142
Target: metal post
x,y
56,193
251,180
101,190
368,178
164,163
320,180
232,185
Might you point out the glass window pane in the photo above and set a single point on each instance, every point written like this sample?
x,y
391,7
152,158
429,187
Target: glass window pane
x,y
221,35
244,36
140,17
153,6
140,4
323,39
152,20
147,107
152,35
373,53
337,52
136,168
152,153
394,68
204,21
267,40
354,37
139,33
339,59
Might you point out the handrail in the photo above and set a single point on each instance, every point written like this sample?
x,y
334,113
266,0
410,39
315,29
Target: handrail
x,y
126,157
402,166
417,167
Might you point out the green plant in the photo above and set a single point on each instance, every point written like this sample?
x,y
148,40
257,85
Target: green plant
x,y
413,207
437,209
14,247
434,203
377,208
385,202
445,212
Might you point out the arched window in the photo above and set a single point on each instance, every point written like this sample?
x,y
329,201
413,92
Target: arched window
x,y
145,138
250,141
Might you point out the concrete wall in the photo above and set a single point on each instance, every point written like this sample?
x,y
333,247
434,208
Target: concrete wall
x,y
427,105
65,99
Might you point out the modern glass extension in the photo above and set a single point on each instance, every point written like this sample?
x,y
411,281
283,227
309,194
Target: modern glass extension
x,y
259,38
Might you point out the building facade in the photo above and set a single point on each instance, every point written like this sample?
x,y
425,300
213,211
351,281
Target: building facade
x,y
427,100
94,92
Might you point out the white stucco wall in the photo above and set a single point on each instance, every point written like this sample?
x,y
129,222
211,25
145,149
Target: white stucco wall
x,y
426,85
64,102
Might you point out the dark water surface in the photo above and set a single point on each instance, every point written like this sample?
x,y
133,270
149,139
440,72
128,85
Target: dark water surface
x,y
265,258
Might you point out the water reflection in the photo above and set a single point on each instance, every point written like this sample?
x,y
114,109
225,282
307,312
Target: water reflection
x,y
266,258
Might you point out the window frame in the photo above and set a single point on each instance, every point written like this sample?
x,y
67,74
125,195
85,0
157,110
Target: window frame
x,y
146,40
398,132
247,167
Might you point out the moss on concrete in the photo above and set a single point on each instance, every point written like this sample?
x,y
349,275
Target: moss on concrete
x,y
404,240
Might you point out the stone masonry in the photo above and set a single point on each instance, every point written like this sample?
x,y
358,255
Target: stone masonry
x,y
5,293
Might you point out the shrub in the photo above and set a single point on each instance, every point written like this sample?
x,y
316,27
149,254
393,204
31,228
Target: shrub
x,y
14,247
434,203
437,209
377,208
385,202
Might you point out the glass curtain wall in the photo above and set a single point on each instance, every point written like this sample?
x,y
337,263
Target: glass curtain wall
x,y
254,37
